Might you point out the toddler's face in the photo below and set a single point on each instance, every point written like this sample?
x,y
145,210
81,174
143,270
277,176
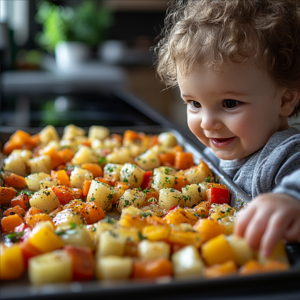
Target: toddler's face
x,y
234,112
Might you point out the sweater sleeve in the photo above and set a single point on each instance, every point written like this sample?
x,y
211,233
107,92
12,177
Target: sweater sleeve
x,y
290,185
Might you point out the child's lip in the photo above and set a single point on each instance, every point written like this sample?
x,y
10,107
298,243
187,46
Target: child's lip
x,y
220,143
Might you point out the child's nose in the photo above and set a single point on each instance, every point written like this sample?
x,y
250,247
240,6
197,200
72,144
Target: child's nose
x,y
210,121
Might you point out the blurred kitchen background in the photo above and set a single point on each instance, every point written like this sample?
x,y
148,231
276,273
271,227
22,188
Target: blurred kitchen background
x,y
55,54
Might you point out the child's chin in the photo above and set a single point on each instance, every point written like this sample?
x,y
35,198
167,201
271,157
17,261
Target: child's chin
x,y
225,156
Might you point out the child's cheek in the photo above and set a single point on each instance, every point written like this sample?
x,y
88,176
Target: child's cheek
x,y
195,127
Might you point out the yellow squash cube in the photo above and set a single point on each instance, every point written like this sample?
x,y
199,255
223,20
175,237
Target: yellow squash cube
x,y
11,262
217,251
46,240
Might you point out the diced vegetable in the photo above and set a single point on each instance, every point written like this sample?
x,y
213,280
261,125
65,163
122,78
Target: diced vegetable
x,y
224,269
217,251
132,175
78,176
92,212
45,200
61,176
209,229
15,181
83,262
113,267
15,210
63,196
151,269
9,223
45,240
101,193
50,267
94,168
153,250
169,197
187,263
7,194
218,195
28,251
11,262
147,179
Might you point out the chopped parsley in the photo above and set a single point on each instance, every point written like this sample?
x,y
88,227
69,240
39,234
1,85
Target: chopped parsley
x,y
102,160
72,225
14,237
28,193
126,203
141,237
146,214
109,220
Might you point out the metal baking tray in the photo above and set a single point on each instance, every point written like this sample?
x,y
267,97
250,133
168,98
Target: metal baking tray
x,y
276,285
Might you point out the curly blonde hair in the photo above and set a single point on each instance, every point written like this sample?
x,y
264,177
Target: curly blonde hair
x,y
210,32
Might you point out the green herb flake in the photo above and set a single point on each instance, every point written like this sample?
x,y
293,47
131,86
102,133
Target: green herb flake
x,y
109,220
141,237
102,160
208,179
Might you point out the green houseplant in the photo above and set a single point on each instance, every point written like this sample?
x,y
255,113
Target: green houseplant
x,y
64,28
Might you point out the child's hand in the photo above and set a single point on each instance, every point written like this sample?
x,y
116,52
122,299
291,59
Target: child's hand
x,y
268,219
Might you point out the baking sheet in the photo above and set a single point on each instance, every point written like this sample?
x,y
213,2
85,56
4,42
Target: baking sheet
x,y
269,285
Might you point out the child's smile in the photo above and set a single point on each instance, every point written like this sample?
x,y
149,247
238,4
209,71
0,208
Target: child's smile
x,y
234,112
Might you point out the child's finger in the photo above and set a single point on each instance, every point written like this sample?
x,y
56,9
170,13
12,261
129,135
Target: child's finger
x,y
293,232
243,219
277,225
256,228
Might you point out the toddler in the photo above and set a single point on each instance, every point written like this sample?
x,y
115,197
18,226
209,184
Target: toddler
x,y
237,65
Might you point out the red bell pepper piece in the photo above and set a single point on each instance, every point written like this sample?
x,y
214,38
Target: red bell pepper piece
x,y
83,262
28,251
147,180
171,208
218,195
63,196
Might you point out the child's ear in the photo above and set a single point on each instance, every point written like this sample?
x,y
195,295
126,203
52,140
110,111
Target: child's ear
x,y
289,100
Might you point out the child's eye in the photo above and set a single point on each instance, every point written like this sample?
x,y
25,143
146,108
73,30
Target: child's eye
x,y
195,104
229,103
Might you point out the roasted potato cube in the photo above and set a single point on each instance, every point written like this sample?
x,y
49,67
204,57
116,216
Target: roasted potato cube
x,y
111,243
132,175
113,267
102,193
78,176
64,218
165,170
112,171
167,139
48,134
169,197
162,180
33,180
50,267
187,263
153,250
48,182
44,200
191,195
40,163
148,160
132,197
84,155
98,132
